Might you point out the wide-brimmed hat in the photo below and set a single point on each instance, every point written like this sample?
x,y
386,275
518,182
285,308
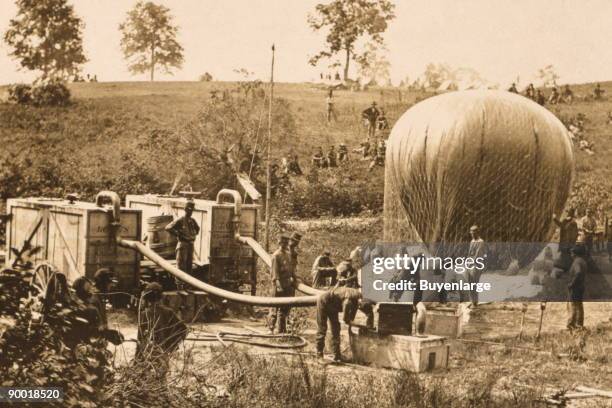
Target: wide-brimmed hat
x,y
296,237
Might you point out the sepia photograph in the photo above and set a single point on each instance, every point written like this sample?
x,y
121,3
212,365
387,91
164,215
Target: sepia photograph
x,y
306,203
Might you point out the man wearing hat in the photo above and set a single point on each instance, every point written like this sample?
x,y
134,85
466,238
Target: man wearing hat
x,y
577,274
477,249
283,280
186,230
329,304
160,330
323,268
370,115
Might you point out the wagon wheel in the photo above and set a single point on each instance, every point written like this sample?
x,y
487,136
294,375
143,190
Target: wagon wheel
x,y
43,273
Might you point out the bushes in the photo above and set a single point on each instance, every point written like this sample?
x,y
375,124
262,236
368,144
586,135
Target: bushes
x,y
51,93
344,191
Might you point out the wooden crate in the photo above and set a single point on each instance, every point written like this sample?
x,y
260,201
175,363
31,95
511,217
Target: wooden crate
x,y
215,245
394,318
75,237
412,353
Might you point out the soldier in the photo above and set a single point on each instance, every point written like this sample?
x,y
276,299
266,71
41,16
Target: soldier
x,y
540,98
577,274
323,268
382,123
185,229
160,330
371,115
568,95
332,157
329,304
553,99
342,152
347,274
364,149
477,249
588,226
598,92
331,111
294,166
530,92
283,281
568,233
318,160
513,88
379,157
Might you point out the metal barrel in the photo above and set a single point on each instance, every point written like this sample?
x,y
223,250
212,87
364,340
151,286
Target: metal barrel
x,y
160,240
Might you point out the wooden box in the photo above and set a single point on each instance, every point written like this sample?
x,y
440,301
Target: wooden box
x,y
75,237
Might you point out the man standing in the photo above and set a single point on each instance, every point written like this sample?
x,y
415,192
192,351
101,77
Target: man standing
x,y
283,280
329,304
477,249
588,225
331,111
371,115
598,92
186,230
323,268
568,233
540,98
160,330
575,288
530,92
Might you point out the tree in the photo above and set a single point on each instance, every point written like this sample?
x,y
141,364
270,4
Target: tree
x,y
348,21
149,39
46,36
374,66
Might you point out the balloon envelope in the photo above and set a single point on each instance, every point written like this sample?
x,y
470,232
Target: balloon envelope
x,y
490,158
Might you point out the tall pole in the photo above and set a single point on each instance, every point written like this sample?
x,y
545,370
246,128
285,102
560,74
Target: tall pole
x,y
268,169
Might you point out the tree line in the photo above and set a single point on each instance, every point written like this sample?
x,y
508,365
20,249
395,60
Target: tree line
x,y
46,36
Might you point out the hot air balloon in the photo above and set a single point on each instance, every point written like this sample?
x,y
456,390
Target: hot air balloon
x,y
490,158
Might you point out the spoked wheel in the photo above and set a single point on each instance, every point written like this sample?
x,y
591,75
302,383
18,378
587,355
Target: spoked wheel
x,y
43,273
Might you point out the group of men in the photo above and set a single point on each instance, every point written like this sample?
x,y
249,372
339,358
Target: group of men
x,y
556,96
332,158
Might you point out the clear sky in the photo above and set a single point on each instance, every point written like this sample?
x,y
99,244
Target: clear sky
x,y
501,39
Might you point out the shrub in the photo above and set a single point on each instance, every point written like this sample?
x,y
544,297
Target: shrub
x,y
20,93
52,93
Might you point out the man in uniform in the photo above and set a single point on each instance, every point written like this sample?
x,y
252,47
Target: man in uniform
x,y
371,115
331,111
568,233
318,160
283,281
342,152
160,330
323,268
540,98
329,304
347,274
332,157
588,225
186,230
598,92
577,274
477,249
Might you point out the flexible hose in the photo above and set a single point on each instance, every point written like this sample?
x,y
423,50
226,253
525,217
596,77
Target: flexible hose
x,y
213,290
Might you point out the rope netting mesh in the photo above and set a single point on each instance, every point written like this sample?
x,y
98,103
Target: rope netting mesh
x,y
490,158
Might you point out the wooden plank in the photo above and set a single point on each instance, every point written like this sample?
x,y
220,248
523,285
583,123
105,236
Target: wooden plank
x,y
248,186
595,391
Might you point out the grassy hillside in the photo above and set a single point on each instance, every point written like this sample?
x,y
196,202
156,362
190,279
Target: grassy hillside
x,y
93,143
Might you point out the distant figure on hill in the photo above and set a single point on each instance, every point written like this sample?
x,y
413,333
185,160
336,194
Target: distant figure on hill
x,y
530,92
540,98
342,152
598,92
331,111
554,97
513,88
568,95
318,160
